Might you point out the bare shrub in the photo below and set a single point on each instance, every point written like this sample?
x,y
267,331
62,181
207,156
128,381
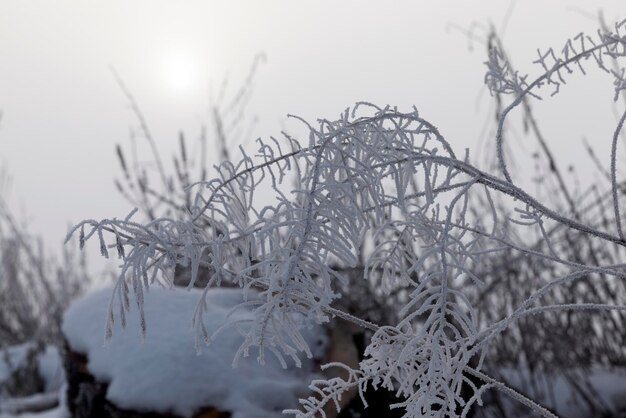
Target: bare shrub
x,y
382,191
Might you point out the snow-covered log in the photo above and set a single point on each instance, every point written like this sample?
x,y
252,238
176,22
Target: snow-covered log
x,y
162,375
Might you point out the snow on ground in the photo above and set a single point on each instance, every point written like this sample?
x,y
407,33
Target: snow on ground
x,y
163,373
52,413
50,405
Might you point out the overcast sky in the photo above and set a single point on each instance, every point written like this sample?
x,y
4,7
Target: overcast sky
x,y
62,112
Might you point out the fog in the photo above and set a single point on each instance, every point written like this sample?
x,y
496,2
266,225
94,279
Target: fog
x,y
63,111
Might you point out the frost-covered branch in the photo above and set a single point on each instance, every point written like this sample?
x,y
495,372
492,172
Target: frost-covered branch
x,y
381,191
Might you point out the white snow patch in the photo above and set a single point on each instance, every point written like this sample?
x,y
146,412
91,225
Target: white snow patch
x,y
164,374
51,368
58,412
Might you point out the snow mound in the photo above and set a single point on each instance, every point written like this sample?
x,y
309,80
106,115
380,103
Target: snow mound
x,y
163,373
51,368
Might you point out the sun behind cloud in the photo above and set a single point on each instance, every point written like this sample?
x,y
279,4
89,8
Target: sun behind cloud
x,y
180,72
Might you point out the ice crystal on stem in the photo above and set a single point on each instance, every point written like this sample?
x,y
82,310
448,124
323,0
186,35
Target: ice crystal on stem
x,y
383,188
